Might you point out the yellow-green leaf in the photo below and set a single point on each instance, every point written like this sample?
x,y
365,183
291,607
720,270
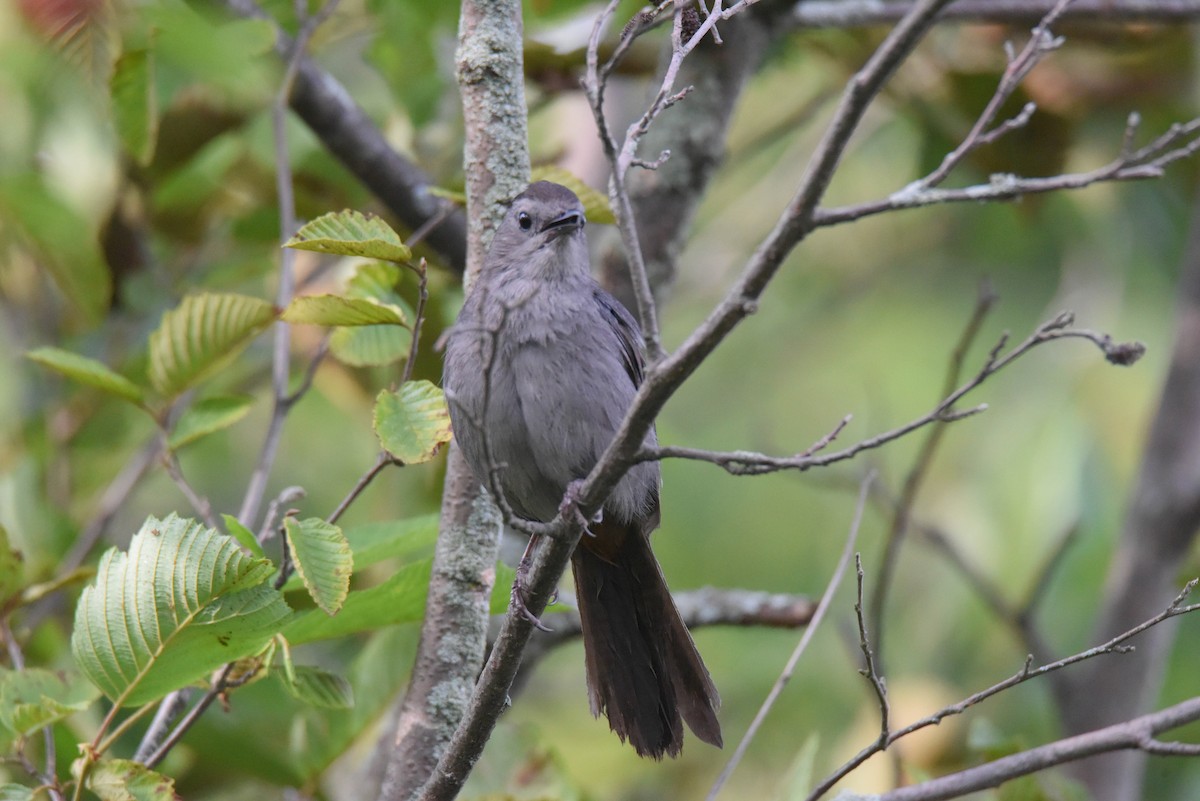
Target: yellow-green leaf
x,y
595,204
323,560
209,416
31,699
351,233
336,310
318,687
125,780
88,371
134,103
202,335
413,422
243,535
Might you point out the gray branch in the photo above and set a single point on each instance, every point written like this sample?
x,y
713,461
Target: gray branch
x,y
855,13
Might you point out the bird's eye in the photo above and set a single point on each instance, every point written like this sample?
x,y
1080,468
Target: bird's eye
x,y
525,221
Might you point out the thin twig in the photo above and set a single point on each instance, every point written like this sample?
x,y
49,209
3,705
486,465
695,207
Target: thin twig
x,y
790,668
421,269
750,463
381,461
218,687
281,352
897,530
1114,646
1131,734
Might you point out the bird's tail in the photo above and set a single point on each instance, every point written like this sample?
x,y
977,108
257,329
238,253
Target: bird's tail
x,y
643,670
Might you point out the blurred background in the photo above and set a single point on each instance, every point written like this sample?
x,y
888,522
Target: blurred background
x,y
121,193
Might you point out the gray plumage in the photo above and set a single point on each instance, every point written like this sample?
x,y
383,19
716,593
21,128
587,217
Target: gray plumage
x,y
540,368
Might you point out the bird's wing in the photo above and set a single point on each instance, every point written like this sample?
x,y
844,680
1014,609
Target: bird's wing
x,y
627,332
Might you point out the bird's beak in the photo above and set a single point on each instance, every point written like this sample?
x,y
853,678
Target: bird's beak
x,y
570,220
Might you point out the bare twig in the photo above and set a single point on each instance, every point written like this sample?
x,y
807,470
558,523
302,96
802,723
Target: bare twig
x,y
790,668
198,502
870,668
851,13
749,463
281,353
421,269
218,687
1114,646
1133,734
382,461
902,510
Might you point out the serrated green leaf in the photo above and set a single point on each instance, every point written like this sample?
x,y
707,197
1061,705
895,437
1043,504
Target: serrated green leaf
x,y
243,535
400,599
87,371
183,601
15,792
318,687
125,780
374,345
595,204
208,416
202,335
351,233
370,543
33,698
323,560
335,310
412,423
135,104
61,238
12,568
371,345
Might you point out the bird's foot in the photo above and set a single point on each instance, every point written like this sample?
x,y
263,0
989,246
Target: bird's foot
x,y
569,508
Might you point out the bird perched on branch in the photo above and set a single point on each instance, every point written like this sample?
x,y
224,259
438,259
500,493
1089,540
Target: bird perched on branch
x,y
541,367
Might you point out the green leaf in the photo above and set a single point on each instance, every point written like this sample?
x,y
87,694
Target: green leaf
x,y
201,336
412,423
208,416
87,371
243,535
371,543
400,599
335,310
595,204
12,568
125,780
31,699
351,233
63,242
15,792
183,601
318,687
374,345
371,345
323,560
134,103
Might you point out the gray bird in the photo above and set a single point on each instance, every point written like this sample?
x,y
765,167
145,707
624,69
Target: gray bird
x,y
541,366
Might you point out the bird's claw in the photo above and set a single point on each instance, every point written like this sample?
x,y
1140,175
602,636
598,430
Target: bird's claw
x,y
570,508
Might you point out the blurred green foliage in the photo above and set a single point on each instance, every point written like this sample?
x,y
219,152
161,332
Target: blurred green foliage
x,y
137,166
